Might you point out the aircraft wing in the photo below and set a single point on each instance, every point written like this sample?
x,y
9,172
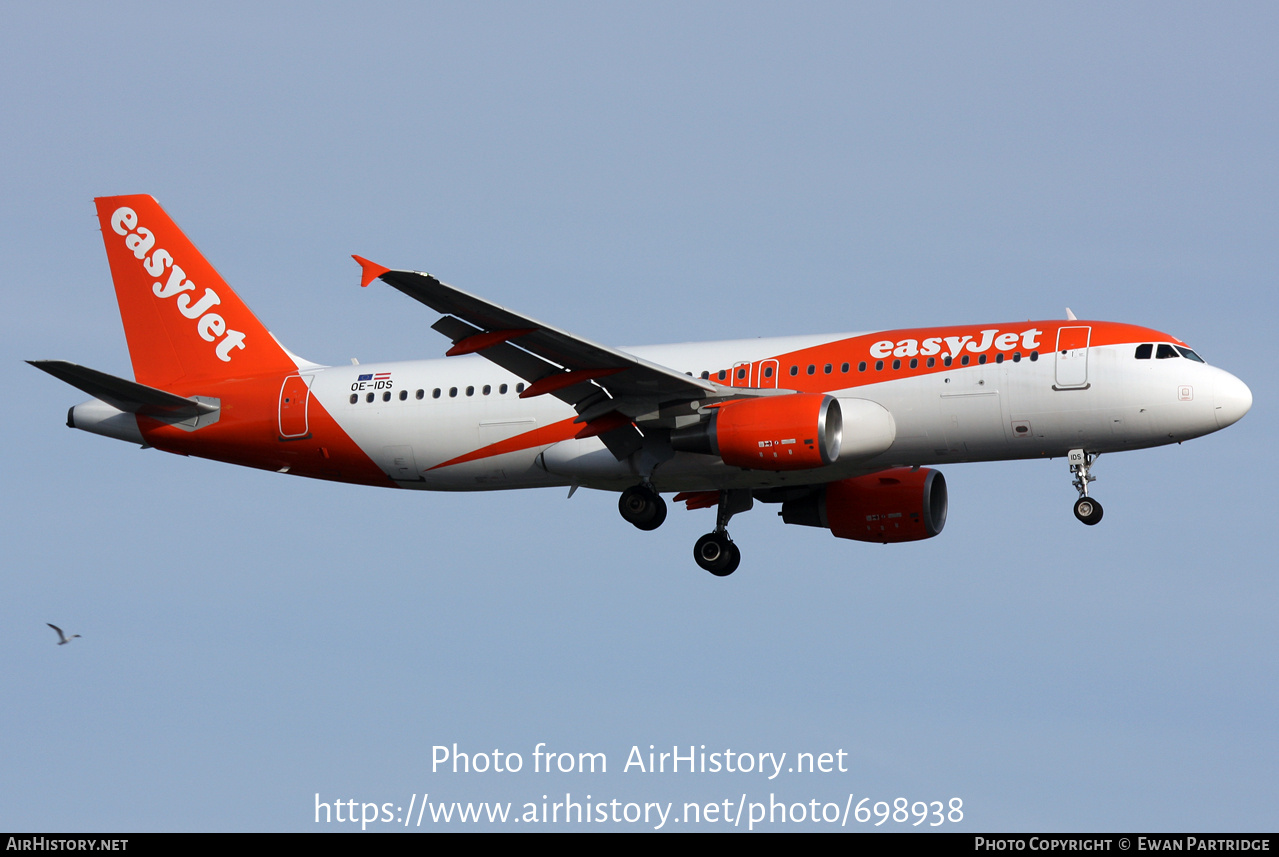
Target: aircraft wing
x,y
553,361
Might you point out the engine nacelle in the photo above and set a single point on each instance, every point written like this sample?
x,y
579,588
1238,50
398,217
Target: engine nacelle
x,y
898,505
794,432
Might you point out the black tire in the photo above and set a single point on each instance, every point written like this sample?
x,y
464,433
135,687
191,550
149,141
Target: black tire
x,y
642,507
734,560
714,552
1088,510
659,517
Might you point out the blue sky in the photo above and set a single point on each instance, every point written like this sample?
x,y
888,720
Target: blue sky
x,y
654,173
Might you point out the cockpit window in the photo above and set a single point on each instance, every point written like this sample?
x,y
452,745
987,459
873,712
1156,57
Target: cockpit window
x,y
1190,355
1143,351
1165,351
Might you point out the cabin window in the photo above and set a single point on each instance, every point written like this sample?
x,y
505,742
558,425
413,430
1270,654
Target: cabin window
x,y
435,394
794,370
844,368
947,360
812,369
519,388
1034,355
723,374
999,358
452,392
386,397
879,365
914,362
897,364
981,360
355,397
421,394
829,368
502,390
861,367
768,371
470,391
369,398
932,361
404,394
1016,356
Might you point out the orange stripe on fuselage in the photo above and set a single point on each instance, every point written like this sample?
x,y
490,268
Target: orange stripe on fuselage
x,y
971,341
544,436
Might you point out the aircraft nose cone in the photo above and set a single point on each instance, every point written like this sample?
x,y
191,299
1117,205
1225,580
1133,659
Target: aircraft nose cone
x,y
1233,400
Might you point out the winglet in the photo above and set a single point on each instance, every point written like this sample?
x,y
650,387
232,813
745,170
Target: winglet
x,y
370,271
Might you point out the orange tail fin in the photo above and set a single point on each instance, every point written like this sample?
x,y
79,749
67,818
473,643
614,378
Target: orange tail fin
x,y
182,321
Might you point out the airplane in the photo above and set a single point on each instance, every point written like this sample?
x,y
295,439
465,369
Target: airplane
x,y
841,431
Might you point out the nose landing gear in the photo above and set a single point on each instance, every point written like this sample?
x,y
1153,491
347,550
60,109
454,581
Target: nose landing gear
x,y
1087,509
642,506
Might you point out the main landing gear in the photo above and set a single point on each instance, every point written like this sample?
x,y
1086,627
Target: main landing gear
x,y
715,552
642,506
1087,509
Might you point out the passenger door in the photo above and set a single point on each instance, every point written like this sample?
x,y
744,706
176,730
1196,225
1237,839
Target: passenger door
x,y
1072,358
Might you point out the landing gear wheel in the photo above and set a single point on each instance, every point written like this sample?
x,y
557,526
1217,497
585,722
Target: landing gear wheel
x,y
1088,510
715,553
643,507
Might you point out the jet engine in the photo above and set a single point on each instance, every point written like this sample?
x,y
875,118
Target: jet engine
x,y
898,505
800,431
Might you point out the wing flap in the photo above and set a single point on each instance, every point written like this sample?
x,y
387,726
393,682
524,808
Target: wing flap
x,y
514,360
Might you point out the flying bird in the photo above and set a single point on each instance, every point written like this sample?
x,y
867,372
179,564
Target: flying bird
x,y
63,639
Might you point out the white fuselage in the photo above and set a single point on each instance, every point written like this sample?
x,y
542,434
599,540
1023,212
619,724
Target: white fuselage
x,y
974,413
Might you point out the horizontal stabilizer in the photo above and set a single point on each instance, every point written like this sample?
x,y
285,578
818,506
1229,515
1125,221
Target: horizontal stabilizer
x,y
128,396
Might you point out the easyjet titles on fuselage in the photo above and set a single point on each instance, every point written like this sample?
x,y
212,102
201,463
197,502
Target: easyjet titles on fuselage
x,y
1027,339
210,325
